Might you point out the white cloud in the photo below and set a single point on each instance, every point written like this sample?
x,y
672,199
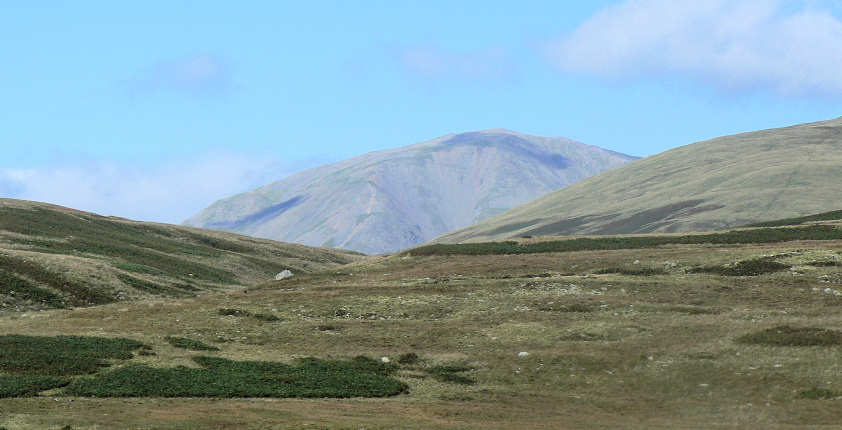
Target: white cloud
x,y
792,49
429,62
196,76
164,192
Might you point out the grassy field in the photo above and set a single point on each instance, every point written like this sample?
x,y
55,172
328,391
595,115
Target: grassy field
x,y
679,335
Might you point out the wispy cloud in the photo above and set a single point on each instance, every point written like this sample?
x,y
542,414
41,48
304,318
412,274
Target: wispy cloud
x,y
786,48
195,76
431,63
164,192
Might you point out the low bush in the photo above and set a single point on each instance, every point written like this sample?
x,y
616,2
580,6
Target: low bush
x,y
641,271
825,263
754,267
61,355
826,216
450,373
237,312
77,293
793,336
28,385
409,358
193,345
20,288
310,378
759,236
819,393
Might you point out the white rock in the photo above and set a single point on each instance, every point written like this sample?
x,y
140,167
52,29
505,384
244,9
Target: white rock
x,y
282,275
523,354
385,359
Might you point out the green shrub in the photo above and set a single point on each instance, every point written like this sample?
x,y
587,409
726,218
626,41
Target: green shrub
x,y
78,294
826,216
61,355
17,287
759,236
450,373
237,312
311,378
825,263
793,336
409,358
641,271
819,393
27,385
193,345
744,268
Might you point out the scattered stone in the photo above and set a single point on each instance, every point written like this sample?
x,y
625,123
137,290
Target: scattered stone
x,y
523,354
282,275
385,359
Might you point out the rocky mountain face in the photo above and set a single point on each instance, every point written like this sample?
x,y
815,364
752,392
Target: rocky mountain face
x,y
397,198
715,184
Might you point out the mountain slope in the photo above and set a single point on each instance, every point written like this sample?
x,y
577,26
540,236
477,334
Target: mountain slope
x,y
55,257
397,198
715,184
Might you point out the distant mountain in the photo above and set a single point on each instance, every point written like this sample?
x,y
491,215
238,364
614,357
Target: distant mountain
x,y
56,257
715,184
397,198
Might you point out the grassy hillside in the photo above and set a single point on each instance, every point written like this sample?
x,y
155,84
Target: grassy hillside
x,y
54,257
705,186
686,333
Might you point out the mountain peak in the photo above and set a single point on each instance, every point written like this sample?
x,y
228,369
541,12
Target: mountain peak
x,y
397,198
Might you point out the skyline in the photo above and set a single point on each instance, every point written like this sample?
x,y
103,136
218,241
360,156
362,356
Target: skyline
x,y
153,111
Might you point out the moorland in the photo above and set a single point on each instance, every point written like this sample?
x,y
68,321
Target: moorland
x,y
738,328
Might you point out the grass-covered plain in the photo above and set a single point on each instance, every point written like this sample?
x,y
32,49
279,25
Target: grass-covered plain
x,y
634,337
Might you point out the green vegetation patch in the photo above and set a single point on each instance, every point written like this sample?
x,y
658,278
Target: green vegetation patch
x,y
238,312
178,290
15,286
753,236
824,263
193,345
819,393
450,373
753,267
78,293
61,355
223,378
793,336
636,271
28,385
826,216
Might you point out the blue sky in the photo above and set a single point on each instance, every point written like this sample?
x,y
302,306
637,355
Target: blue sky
x,y
153,110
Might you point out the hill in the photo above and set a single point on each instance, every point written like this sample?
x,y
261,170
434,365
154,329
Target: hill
x,y
715,184
56,257
394,199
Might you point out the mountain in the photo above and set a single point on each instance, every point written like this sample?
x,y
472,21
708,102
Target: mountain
x,y
714,184
56,257
397,198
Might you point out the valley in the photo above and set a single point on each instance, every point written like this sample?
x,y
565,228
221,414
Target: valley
x,y
658,334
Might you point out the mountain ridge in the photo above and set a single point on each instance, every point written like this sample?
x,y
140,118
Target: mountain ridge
x,y
400,197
